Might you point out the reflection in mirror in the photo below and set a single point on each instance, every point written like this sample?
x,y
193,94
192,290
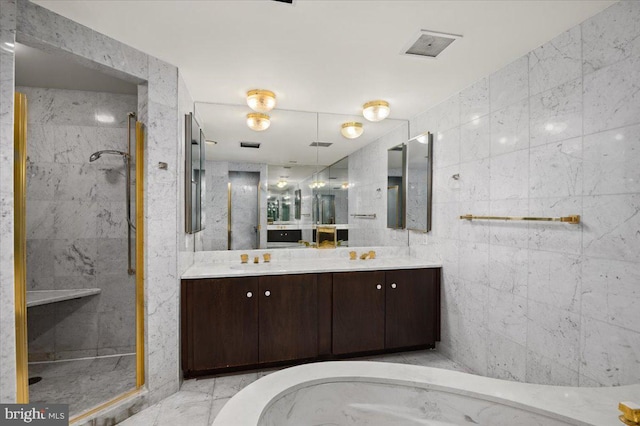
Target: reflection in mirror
x,y
296,148
331,199
396,178
419,181
195,175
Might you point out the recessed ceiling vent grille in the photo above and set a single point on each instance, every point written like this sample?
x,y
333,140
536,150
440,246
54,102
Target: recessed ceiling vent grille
x,y
250,145
321,144
429,44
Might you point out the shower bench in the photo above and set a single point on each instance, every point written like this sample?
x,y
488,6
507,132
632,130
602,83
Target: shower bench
x,y
44,297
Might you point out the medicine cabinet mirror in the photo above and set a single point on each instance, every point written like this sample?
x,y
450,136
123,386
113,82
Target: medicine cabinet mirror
x,y
396,186
419,182
195,174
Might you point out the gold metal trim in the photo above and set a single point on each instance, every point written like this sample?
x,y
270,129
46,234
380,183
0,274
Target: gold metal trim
x,y
229,216
630,413
377,103
261,92
140,367
104,405
573,219
20,246
351,124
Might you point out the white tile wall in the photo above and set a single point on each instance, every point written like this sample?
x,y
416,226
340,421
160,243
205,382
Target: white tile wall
x,y
554,133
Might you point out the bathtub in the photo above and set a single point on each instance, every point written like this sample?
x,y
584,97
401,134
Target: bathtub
x,y
385,394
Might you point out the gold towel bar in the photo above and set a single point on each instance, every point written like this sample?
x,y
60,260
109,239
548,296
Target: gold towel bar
x,y
573,219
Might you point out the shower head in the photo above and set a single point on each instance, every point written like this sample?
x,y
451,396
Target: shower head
x,y
98,154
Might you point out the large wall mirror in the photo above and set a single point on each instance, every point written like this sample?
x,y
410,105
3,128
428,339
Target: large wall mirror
x,y
419,182
298,169
195,175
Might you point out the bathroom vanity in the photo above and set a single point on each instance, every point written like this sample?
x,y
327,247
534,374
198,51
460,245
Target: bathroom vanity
x,y
244,316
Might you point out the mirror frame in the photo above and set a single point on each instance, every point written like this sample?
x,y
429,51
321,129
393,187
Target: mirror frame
x,y
192,203
429,181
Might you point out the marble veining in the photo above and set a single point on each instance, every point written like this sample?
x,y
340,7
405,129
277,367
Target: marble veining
x,y
611,36
557,113
370,392
612,96
556,62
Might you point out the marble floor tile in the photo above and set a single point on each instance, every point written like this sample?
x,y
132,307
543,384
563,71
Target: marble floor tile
x,y
199,401
83,383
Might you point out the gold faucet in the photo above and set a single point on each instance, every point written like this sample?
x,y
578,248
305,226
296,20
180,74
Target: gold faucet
x,y
364,255
630,413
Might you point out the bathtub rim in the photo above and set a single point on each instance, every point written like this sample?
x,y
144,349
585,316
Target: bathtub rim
x,y
574,405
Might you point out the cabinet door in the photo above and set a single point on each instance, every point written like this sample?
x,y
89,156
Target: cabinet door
x,y
222,322
358,312
288,317
412,299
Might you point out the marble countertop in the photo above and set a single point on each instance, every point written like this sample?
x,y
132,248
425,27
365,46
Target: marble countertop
x,y
584,406
303,266
43,297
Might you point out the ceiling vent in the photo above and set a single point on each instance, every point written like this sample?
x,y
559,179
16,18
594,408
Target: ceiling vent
x,y
429,44
321,144
250,145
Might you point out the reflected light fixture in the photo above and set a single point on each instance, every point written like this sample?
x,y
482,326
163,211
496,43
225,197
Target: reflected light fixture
x,y
351,129
261,100
317,184
258,122
281,184
376,110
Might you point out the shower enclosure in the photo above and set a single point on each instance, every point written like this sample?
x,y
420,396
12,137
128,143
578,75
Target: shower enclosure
x,y
82,283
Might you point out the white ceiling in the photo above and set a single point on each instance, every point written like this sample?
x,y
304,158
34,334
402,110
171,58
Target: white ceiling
x,y
327,56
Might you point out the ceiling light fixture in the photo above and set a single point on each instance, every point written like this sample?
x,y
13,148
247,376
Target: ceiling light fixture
x,y
317,184
261,100
376,110
281,184
351,130
258,122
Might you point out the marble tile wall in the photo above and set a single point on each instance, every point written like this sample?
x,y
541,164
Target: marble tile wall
x,y
7,301
556,132
158,110
214,236
76,223
368,192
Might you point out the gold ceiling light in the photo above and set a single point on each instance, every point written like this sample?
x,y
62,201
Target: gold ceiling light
x,y
258,122
376,110
261,100
282,183
351,130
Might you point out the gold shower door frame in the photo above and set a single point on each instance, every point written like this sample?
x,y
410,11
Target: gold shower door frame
x,y
20,244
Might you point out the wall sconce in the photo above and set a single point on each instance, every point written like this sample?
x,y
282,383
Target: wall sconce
x,y
258,122
376,110
351,130
261,100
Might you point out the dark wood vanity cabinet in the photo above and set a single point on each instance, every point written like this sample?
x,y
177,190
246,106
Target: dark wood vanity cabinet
x,y
358,312
219,323
288,317
412,308
385,310
234,323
